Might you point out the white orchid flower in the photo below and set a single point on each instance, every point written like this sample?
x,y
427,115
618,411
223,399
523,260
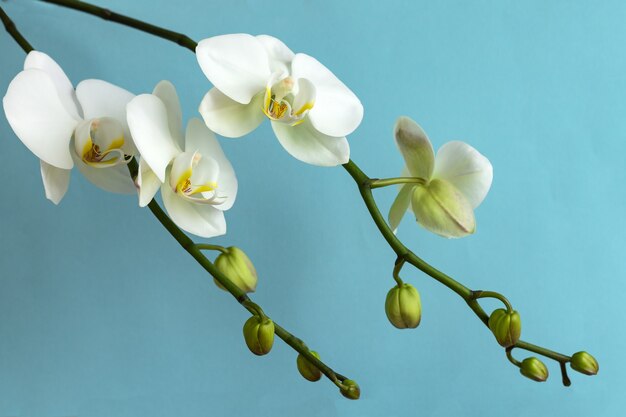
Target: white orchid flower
x,y
455,182
310,109
197,181
63,126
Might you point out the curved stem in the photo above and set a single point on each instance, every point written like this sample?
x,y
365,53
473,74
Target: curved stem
x,y
492,294
376,183
365,185
106,14
363,182
239,295
206,246
396,270
195,249
15,34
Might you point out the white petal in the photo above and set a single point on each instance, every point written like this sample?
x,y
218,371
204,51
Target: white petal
x,y
308,145
465,168
147,182
166,91
102,99
200,219
182,168
229,118
337,111
148,123
415,148
37,116
400,206
305,98
279,54
237,65
65,89
199,138
55,181
114,179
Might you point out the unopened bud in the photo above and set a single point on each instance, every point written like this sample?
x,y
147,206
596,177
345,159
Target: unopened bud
x,y
584,363
350,389
403,306
307,369
506,326
238,268
259,335
534,369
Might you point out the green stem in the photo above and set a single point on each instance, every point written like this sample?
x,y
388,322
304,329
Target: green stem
x,y
492,294
15,34
375,183
396,271
237,293
206,246
106,14
363,181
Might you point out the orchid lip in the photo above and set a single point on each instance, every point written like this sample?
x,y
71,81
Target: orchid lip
x,y
288,100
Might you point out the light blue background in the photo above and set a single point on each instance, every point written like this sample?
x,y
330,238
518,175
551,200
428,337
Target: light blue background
x,y
103,315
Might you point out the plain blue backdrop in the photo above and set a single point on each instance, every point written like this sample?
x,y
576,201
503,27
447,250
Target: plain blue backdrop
x,y
103,315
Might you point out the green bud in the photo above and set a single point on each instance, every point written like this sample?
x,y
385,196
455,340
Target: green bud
x,y
441,208
534,369
259,335
506,326
350,389
307,369
584,363
238,268
403,306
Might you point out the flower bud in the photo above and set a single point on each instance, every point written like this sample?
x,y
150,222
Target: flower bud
x,y
584,363
238,268
350,389
534,369
441,208
309,371
506,326
259,335
403,306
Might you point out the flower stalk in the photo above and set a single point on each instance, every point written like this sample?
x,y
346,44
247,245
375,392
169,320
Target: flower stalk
x,y
195,249
365,186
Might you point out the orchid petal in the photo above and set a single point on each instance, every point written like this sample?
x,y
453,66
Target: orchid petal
x,y
200,138
55,181
337,111
415,147
305,98
166,91
237,65
39,118
182,168
102,99
147,182
114,179
442,209
200,219
280,56
465,168
400,206
308,145
148,123
229,118
65,89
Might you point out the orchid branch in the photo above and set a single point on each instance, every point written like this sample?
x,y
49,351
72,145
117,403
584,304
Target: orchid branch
x,y
15,34
365,185
195,250
242,298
